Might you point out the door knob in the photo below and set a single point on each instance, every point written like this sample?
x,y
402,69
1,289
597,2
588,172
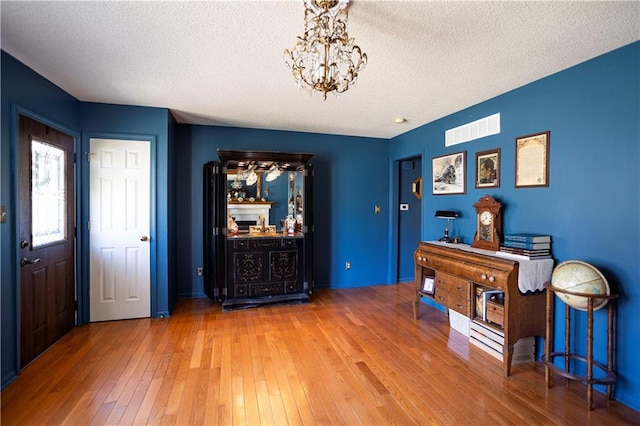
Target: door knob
x,y
24,261
144,238
24,244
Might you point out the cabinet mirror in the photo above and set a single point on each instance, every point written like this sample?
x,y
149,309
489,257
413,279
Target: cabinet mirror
x,y
264,192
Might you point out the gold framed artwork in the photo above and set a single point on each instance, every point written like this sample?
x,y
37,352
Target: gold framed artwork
x,y
449,174
532,160
488,169
416,187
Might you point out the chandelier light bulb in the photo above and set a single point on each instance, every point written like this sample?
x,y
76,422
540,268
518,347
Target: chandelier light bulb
x,y
324,59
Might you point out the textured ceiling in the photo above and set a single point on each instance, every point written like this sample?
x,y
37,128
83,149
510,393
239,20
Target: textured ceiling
x,y
221,62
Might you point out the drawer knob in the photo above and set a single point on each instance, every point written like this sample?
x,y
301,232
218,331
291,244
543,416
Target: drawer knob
x,y
492,279
483,276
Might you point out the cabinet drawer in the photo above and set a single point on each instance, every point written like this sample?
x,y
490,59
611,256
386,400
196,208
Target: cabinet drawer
x,y
442,297
441,293
460,302
490,277
241,244
456,287
289,242
291,287
462,306
460,289
421,259
495,313
240,291
267,289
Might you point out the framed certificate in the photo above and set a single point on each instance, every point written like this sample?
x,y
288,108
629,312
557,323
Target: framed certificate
x,y
532,160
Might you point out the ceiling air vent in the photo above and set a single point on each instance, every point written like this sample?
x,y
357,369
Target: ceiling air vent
x,y
475,130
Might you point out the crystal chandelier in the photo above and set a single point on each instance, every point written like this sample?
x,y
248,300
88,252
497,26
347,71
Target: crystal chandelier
x,y
325,59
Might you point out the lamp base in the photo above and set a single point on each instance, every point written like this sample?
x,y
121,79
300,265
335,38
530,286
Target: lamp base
x,y
445,238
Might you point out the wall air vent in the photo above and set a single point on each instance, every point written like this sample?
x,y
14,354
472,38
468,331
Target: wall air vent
x,y
475,130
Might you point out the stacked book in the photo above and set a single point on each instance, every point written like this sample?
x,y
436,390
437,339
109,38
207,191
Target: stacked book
x,y
526,246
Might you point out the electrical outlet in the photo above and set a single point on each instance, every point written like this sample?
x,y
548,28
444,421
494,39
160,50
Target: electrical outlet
x,y
200,271
347,265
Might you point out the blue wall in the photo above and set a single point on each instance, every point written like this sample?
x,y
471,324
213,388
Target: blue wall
x,y
22,88
26,92
591,207
592,111
130,122
350,178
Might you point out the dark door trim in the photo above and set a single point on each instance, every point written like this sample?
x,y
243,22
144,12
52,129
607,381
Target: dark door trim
x,y
403,237
394,217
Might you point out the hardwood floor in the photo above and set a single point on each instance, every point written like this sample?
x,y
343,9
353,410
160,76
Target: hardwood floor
x,y
352,356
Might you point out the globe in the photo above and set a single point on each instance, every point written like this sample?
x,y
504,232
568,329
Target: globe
x,y
580,277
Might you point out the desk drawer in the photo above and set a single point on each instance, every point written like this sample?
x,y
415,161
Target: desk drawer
x,y
421,259
441,296
460,305
495,313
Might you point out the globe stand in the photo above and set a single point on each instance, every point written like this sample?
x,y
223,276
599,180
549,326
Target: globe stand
x,y
549,356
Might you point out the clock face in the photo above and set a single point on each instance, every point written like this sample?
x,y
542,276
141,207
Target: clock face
x,y
486,218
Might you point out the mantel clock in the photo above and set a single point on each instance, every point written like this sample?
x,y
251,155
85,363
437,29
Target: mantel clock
x,y
489,224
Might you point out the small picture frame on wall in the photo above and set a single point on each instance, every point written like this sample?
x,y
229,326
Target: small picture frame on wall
x,y
532,160
488,169
416,187
449,174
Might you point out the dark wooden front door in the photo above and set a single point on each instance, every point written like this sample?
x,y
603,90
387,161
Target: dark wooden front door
x,y
47,237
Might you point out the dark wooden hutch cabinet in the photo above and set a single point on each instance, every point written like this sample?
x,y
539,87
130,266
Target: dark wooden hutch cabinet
x,y
266,261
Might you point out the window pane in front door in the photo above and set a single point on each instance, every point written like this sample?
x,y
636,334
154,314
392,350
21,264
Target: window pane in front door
x,y
48,194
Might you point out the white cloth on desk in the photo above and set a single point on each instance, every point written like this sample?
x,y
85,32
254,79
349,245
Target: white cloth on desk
x,y
532,274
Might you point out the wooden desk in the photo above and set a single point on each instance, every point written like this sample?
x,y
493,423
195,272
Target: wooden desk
x,y
457,267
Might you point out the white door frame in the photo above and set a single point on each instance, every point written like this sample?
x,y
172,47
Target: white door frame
x,y
120,250
82,226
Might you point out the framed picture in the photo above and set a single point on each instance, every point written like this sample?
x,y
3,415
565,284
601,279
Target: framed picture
x,y
488,169
448,174
429,285
532,160
416,187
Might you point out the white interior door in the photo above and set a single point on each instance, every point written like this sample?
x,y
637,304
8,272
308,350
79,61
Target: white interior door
x,y
120,269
